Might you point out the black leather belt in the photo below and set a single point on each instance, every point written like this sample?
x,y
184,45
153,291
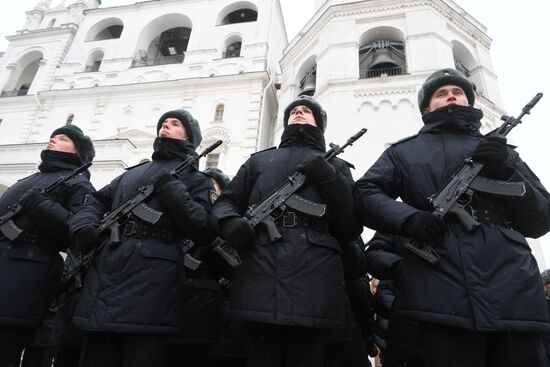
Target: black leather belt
x,y
291,219
35,239
136,228
490,215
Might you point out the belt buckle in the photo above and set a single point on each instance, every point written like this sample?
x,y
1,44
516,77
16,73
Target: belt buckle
x,y
129,228
289,219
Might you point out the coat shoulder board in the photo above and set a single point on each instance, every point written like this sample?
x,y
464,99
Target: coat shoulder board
x,y
403,139
263,150
137,165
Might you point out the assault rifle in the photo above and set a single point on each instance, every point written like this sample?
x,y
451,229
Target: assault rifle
x,y
135,206
458,191
8,227
272,207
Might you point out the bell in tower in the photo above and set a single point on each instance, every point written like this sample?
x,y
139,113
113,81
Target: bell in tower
x,y
308,83
382,59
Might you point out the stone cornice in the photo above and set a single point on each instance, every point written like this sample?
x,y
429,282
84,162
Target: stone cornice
x,y
161,85
70,28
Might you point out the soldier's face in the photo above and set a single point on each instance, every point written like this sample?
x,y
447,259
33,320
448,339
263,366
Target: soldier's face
x,y
61,143
174,129
446,95
547,289
301,115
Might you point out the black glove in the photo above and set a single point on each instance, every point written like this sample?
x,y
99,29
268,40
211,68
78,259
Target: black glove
x,y
317,168
237,232
87,239
30,199
492,152
424,226
161,178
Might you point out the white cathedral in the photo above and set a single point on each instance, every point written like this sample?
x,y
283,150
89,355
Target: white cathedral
x,y
113,71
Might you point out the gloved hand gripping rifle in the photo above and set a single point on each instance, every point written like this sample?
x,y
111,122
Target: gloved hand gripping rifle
x,y
459,189
135,206
269,209
8,227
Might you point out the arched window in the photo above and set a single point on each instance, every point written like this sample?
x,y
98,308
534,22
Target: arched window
x,y
308,82
23,75
163,41
108,33
212,160
110,28
218,116
168,48
382,57
233,50
238,12
70,119
464,61
94,61
52,23
306,77
241,16
382,53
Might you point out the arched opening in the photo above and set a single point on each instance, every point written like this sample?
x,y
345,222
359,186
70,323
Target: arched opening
x,y
108,33
464,61
164,41
382,53
23,75
218,114
239,12
94,61
51,23
232,47
110,28
307,77
213,160
70,119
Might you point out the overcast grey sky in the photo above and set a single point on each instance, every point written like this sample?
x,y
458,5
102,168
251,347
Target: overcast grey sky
x,y
519,54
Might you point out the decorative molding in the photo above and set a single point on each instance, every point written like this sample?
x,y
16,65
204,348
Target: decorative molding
x,y
216,133
386,91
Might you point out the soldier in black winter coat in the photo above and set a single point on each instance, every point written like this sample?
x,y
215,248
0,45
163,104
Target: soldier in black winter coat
x,y
397,337
482,304
545,275
133,292
202,309
288,290
30,265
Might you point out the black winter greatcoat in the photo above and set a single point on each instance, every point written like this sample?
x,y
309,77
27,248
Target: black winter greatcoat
x,y
297,280
487,279
137,286
399,335
30,274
